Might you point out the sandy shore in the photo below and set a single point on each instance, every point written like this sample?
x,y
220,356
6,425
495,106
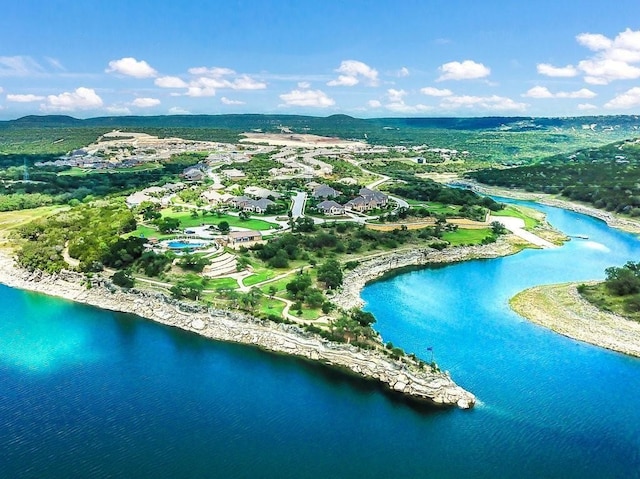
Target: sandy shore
x,y
561,308
403,377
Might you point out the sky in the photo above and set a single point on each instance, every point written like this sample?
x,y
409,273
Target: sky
x,y
364,58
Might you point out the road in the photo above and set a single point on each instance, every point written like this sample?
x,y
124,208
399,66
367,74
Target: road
x,y
516,226
298,204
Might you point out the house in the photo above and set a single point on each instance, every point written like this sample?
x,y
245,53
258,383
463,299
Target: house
x,y
356,204
375,199
239,237
193,174
215,198
330,207
240,201
419,159
261,205
258,192
368,200
324,191
135,199
250,205
233,174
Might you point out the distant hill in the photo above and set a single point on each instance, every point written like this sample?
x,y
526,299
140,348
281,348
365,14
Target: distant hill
x,y
509,140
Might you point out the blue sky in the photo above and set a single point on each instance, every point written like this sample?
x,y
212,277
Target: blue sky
x,y
375,58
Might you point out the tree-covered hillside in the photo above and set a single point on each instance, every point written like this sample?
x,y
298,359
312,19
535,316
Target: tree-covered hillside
x,y
607,177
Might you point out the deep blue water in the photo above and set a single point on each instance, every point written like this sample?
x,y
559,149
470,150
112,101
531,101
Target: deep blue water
x,y
89,393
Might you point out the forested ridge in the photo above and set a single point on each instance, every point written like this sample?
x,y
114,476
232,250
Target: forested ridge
x,y
607,177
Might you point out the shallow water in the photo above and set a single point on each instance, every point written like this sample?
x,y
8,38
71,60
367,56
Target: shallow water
x,y
90,393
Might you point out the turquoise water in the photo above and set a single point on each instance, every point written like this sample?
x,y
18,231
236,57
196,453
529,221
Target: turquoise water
x,y
89,393
183,245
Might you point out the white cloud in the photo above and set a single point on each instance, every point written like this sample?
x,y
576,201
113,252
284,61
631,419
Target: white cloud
x,y
491,103
304,84
55,63
19,66
200,91
145,102
170,82
431,91
551,71
23,98
628,99
467,70
213,72
374,103
176,110
594,41
582,93
538,92
227,101
586,106
614,58
118,110
395,95
352,71
313,98
403,72
543,92
80,99
131,67
602,71
212,79
245,82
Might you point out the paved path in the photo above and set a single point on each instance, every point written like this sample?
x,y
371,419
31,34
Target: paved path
x,y
298,204
516,226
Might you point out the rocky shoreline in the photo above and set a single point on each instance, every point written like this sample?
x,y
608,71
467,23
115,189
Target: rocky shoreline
x,y
562,309
355,280
402,377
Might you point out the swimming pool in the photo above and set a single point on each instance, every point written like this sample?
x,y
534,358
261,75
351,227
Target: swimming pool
x,y
183,245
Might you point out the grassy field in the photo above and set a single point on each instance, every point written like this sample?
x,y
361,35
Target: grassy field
x,y
75,171
222,283
10,220
271,306
530,222
258,276
187,221
466,237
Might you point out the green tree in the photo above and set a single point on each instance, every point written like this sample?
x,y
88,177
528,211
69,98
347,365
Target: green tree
x,y
330,273
224,227
123,278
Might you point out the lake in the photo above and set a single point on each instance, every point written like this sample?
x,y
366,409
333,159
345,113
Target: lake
x,y
91,393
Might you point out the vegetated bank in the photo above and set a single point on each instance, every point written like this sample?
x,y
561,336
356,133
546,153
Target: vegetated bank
x,y
562,309
415,381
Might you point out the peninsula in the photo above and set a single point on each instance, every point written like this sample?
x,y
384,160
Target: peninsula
x,y
265,240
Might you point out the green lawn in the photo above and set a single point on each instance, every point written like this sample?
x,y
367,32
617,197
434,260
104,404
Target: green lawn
x,y
222,283
308,314
466,237
258,277
271,306
519,212
75,171
186,221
